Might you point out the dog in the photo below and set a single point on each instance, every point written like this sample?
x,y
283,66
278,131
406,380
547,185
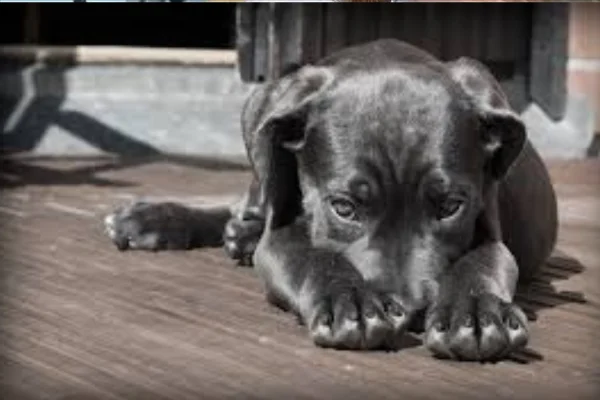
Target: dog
x,y
387,184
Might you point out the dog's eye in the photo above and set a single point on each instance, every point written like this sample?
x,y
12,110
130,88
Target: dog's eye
x,y
448,207
344,208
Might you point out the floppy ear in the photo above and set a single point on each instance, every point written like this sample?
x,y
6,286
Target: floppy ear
x,y
279,133
503,133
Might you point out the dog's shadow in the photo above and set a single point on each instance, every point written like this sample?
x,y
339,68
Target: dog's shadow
x,y
541,293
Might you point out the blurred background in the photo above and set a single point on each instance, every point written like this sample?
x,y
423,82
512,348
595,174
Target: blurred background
x,y
171,78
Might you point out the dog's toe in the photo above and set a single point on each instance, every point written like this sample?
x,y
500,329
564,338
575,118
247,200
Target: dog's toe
x,y
335,322
117,231
110,225
493,339
357,318
463,341
515,323
241,237
320,328
436,340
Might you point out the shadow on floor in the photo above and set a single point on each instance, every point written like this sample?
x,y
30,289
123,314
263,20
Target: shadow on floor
x,y
34,103
541,294
31,106
594,150
17,172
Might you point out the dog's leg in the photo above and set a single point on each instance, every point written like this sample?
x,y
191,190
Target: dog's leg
x,y
473,316
159,226
167,225
327,292
245,227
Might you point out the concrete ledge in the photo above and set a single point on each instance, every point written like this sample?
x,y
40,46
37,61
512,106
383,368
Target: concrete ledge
x,y
118,55
91,109
146,109
569,138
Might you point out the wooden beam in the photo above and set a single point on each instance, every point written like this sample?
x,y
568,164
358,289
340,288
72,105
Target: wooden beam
x,y
245,38
548,62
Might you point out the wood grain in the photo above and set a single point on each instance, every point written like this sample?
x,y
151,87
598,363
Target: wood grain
x,y
80,320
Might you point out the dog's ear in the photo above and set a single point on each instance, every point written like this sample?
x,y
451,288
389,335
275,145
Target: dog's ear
x,y
280,133
503,133
289,102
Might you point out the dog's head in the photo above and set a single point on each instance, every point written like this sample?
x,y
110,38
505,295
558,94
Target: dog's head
x,y
394,167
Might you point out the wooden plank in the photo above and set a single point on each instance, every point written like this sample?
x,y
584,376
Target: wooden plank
x,y
288,36
245,37
548,66
81,320
411,22
495,37
432,36
312,32
390,23
335,22
460,27
262,19
365,19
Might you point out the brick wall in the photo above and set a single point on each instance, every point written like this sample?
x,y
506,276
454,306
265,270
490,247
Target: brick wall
x,y
584,53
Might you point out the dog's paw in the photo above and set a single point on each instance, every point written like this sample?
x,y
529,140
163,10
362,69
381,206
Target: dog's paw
x,y
351,318
149,226
476,328
241,237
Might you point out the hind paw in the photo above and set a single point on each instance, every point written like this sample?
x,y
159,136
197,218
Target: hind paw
x,y
148,226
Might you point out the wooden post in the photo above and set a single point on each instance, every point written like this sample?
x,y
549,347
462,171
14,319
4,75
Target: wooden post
x,y
548,67
245,39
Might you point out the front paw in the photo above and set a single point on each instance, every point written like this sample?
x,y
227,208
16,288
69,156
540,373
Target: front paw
x,y
241,237
352,318
475,328
149,226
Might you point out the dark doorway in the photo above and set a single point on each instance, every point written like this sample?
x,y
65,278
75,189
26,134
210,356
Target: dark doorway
x,y
147,25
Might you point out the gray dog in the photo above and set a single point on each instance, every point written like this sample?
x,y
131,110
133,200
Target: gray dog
x,y
387,185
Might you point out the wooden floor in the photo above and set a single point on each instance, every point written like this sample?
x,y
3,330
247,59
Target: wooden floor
x,y
80,320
